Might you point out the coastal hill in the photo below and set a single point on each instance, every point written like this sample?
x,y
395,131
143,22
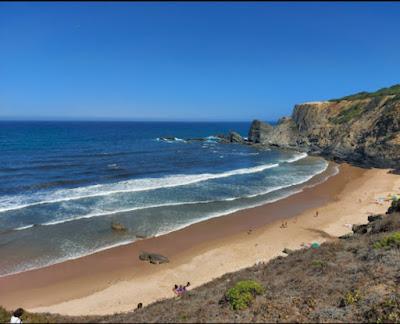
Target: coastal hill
x,y
351,279
362,129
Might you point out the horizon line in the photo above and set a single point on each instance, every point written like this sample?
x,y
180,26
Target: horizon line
x,y
133,120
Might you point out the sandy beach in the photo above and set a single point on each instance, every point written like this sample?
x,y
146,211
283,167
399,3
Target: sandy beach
x,y
115,280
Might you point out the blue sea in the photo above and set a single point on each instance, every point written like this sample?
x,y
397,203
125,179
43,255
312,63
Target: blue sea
x,y
63,183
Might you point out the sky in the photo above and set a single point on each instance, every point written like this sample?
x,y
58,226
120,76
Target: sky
x,y
190,61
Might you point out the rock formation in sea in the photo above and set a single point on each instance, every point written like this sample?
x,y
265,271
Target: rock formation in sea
x,y
231,137
362,129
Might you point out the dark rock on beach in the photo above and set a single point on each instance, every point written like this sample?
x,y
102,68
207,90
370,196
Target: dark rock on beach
x,y
373,218
153,258
394,207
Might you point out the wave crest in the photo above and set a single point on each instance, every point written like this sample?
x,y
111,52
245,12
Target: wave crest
x,y
8,203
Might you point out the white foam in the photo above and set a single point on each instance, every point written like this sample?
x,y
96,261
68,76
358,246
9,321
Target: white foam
x,y
173,228
176,139
263,202
297,158
43,264
118,211
8,203
23,227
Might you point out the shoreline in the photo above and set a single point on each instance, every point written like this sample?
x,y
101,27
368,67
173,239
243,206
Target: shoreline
x,y
198,253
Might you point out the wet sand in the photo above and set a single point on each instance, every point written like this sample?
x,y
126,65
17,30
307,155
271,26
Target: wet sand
x,y
115,280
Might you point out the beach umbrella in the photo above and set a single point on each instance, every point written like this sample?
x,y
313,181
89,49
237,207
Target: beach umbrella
x,y
315,245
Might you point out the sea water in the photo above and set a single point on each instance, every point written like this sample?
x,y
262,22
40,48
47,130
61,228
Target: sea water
x,y
62,184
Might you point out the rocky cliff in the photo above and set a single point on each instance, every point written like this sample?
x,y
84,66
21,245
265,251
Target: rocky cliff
x,y
362,129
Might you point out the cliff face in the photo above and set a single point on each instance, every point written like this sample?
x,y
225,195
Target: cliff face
x,y
360,129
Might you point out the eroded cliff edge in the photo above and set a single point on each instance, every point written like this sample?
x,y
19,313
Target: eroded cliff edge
x,y
363,129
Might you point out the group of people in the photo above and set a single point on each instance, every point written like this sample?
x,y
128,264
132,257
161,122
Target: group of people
x,y
180,290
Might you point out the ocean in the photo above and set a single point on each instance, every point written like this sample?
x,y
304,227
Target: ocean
x,y
64,183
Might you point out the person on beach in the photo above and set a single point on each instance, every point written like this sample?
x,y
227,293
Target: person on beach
x,y
16,317
187,285
180,290
316,214
176,290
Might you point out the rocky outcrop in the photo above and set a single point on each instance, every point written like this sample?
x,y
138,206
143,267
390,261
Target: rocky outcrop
x,y
231,137
259,132
364,131
235,138
153,258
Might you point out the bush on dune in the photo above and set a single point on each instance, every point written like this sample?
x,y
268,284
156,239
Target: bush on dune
x,y
243,293
389,241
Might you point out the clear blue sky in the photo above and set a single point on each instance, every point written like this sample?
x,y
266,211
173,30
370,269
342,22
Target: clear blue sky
x,y
190,61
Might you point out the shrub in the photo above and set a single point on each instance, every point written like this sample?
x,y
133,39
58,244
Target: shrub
x,y
389,241
318,263
243,293
348,114
393,90
4,315
386,311
352,297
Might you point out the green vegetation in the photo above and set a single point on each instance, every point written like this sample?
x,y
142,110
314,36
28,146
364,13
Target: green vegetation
x,y
5,317
352,297
387,311
393,90
243,293
318,263
389,241
348,114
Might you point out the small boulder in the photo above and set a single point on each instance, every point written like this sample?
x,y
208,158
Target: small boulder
x,y
118,227
373,218
346,236
360,229
394,207
153,258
